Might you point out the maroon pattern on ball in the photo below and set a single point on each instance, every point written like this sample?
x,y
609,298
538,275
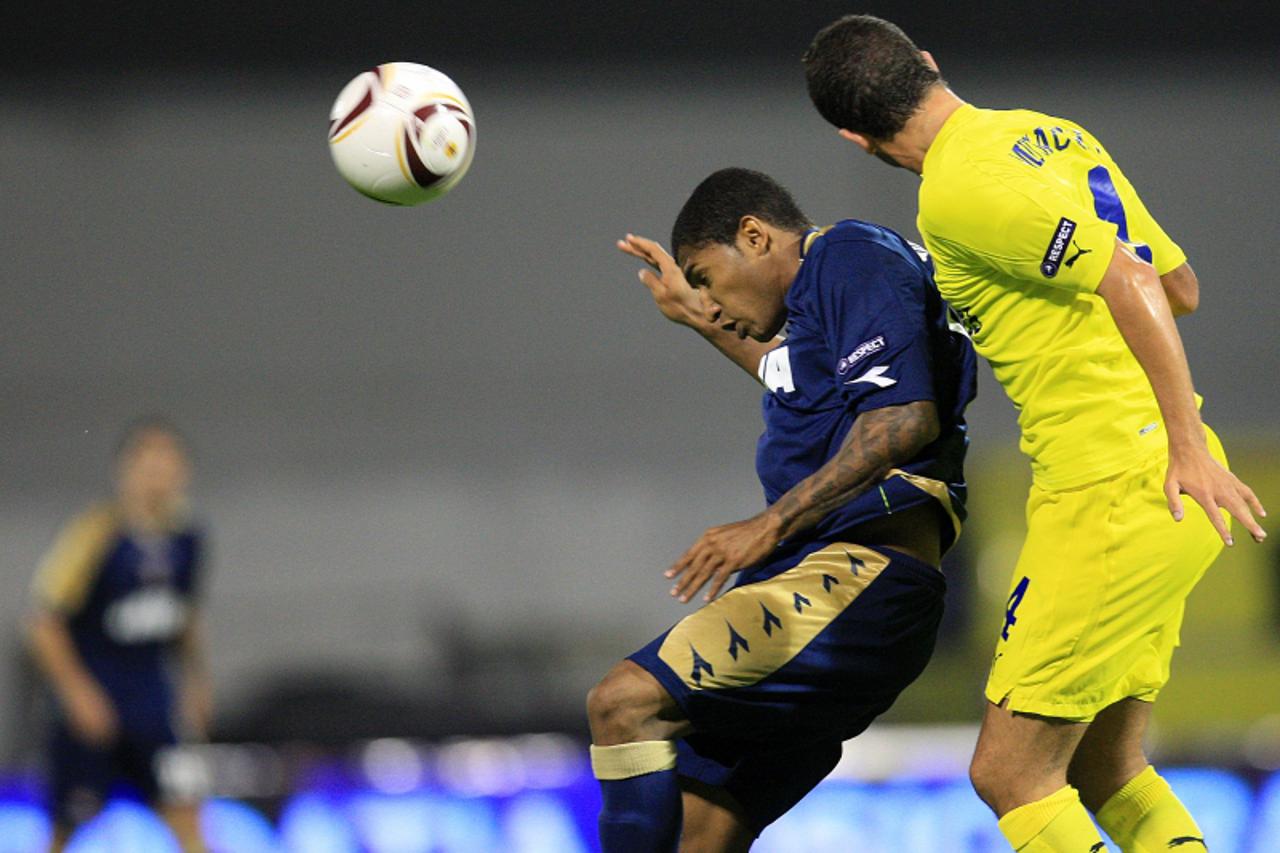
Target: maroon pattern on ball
x,y
422,176
367,101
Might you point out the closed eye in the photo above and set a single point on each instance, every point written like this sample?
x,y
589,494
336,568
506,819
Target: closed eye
x,y
695,277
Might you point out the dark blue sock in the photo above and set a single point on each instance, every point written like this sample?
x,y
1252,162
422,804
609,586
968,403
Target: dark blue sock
x,y
641,814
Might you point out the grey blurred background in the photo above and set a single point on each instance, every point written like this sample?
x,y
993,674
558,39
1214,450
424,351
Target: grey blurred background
x,y
445,452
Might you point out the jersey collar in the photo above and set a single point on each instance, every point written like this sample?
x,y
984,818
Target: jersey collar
x,y
810,237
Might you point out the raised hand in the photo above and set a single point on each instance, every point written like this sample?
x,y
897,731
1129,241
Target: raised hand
x,y
677,301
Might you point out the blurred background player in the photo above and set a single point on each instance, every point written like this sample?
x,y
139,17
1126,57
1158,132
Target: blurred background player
x,y
746,702
115,617
1069,287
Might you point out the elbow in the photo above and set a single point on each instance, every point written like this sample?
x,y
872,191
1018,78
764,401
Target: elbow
x,y
930,428
925,426
1182,289
1184,303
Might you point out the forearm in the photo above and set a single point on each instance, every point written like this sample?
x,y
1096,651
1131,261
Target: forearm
x,y
1138,304
56,656
878,442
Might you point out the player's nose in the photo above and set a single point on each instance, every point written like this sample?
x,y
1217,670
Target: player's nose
x,y
710,308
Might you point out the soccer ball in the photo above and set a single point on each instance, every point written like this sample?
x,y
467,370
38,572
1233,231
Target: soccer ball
x,y
402,133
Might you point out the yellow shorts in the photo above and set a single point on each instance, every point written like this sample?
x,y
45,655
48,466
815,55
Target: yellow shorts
x,y
1095,607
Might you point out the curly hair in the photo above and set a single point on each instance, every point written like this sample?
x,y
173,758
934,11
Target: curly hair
x,y
717,205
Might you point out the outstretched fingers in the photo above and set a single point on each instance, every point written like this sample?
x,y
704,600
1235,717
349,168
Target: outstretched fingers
x,y
1227,493
1242,503
644,249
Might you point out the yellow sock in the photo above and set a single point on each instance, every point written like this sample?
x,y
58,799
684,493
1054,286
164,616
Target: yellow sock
x,y
1056,824
1146,816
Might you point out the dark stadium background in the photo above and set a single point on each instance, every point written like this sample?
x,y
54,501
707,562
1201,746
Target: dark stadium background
x,y
445,452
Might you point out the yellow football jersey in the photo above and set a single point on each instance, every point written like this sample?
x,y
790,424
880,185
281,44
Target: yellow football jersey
x,y
1021,212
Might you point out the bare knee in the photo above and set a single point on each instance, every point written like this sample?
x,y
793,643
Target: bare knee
x,y
990,779
1021,758
628,705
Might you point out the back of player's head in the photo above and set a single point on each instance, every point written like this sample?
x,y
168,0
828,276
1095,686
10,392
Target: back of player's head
x,y
866,75
716,207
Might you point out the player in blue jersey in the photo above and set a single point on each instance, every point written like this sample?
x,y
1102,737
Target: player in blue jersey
x,y
717,727
116,607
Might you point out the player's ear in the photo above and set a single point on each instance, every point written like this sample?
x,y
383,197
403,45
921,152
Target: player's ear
x,y
929,60
856,138
753,235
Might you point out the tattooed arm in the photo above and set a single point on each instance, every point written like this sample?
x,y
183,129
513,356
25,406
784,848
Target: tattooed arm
x,y
878,441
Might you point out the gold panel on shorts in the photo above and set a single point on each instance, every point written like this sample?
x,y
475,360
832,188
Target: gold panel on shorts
x,y
754,630
935,488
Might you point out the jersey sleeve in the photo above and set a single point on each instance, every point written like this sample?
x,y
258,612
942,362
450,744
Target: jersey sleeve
x,y
1141,229
1028,229
872,304
69,568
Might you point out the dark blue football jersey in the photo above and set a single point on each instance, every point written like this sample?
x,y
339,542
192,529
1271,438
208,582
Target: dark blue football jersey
x,y
126,598
866,328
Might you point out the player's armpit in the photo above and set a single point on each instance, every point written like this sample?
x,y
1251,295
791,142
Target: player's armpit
x,y
1182,289
879,441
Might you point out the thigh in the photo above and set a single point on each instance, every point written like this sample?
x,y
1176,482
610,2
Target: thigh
x,y
747,786
1097,596
813,652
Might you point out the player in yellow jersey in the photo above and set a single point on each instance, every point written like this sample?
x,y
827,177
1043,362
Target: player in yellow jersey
x,y
1069,288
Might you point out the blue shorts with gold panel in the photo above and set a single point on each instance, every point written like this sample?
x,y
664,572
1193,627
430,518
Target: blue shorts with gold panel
x,y
801,655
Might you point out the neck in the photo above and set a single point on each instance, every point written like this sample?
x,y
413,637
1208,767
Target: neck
x,y
789,257
911,144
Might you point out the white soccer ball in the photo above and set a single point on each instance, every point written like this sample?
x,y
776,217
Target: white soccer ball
x,y
402,133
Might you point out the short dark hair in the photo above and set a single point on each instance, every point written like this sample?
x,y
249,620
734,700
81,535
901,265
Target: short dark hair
x,y
865,75
138,428
716,207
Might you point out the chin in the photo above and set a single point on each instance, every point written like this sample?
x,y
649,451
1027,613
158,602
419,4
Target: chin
x,y
772,331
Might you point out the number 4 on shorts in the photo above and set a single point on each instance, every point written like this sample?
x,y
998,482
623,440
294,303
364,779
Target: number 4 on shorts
x,y
1015,598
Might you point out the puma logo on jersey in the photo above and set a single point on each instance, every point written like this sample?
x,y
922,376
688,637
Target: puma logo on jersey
x,y
875,376
1079,251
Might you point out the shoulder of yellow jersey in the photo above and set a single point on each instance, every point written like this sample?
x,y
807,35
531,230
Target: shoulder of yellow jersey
x,y
70,566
